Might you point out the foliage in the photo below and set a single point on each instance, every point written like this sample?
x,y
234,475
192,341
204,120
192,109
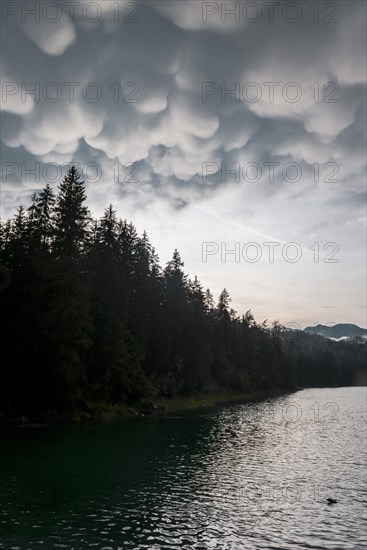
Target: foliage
x,y
88,315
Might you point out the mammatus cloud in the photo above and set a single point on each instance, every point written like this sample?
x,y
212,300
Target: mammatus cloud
x,y
208,105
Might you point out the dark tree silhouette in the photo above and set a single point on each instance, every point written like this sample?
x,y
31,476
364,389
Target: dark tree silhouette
x,y
71,216
89,317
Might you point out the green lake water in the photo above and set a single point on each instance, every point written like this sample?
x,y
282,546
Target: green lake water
x,y
235,477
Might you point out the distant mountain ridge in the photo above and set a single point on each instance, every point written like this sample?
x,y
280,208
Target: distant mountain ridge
x,y
340,330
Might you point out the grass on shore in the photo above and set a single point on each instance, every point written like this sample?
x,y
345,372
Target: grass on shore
x,y
202,401
160,405
167,405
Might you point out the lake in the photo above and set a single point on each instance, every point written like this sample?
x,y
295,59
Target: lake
x,y
235,477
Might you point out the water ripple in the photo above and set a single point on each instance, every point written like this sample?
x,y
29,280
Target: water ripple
x,y
252,476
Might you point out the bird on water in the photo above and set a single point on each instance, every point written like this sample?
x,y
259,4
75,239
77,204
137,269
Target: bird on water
x,y
331,501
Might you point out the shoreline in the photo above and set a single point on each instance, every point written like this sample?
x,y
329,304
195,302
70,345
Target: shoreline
x,y
161,406
196,403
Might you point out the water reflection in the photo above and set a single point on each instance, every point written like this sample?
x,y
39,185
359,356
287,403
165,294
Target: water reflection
x,y
244,476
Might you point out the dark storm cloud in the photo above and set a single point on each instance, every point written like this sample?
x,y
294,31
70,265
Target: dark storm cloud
x,y
164,60
167,136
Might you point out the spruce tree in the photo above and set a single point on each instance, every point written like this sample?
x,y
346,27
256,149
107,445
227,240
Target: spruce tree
x,y
72,216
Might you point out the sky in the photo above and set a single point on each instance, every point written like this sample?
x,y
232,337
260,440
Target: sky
x,y
233,131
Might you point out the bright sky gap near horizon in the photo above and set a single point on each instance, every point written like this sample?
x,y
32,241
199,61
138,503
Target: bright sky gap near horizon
x,y
234,131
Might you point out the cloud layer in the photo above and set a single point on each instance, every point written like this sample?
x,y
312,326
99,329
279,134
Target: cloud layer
x,y
178,89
